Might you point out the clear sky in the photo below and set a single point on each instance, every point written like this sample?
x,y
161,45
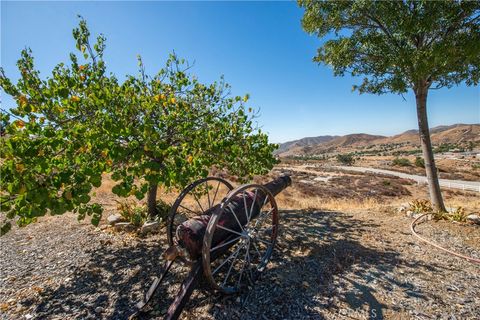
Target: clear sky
x,y
259,47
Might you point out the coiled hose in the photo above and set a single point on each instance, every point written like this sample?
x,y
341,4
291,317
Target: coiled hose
x,y
412,228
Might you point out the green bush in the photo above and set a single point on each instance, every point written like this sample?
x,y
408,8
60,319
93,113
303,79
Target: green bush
x,y
163,209
346,159
132,213
419,162
401,162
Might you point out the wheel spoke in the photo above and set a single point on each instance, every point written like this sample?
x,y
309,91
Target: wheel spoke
x,y
262,218
208,195
256,249
240,276
196,213
229,230
196,199
240,225
249,269
253,204
231,266
227,259
224,244
216,191
245,205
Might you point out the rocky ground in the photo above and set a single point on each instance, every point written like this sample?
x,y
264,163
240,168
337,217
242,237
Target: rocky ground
x,y
332,265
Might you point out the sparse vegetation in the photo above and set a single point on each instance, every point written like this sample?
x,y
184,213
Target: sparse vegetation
x,y
401,162
419,162
420,206
132,212
346,159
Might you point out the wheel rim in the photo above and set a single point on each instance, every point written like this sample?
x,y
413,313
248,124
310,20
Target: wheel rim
x,y
194,201
238,260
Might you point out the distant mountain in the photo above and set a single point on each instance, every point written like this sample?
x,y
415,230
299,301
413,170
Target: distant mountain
x,y
454,134
304,142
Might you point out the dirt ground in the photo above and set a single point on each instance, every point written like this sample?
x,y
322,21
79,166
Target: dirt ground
x,y
340,255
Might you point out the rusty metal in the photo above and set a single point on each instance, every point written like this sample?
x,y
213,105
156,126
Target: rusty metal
x,y
237,222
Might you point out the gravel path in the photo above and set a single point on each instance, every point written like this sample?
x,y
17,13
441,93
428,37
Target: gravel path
x,y
327,265
455,184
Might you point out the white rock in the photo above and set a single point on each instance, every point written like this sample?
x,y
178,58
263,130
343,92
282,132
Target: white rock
x,y
98,309
150,227
416,215
474,218
124,226
28,316
409,213
115,218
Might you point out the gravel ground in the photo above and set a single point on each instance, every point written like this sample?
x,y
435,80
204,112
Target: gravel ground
x,y
327,265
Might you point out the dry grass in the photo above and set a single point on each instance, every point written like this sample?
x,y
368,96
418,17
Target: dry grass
x,y
344,192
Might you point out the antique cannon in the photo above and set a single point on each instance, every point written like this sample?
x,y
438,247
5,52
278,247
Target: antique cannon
x,y
228,240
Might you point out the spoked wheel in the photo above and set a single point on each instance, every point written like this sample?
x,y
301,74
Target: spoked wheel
x,y
198,198
240,238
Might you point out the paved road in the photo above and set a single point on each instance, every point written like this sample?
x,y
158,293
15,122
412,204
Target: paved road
x,y
455,184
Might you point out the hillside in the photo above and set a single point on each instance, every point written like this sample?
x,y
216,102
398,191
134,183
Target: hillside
x,y
457,134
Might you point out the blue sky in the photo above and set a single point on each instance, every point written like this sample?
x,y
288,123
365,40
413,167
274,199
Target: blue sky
x,y
259,47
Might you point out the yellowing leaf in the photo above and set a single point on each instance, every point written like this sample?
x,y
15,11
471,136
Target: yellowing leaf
x,y
19,167
19,124
22,190
68,195
23,100
75,98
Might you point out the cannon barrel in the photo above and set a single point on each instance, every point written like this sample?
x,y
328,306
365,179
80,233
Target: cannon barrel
x,y
191,232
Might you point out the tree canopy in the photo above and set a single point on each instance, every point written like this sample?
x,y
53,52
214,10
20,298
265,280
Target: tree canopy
x,y
400,45
397,44
70,128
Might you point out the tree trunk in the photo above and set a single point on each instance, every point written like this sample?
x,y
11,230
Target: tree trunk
x,y
152,200
431,170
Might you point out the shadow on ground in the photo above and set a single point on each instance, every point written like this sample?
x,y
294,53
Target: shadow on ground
x,y
315,249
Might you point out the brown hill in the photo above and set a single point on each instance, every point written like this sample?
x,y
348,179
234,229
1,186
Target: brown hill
x,y
459,134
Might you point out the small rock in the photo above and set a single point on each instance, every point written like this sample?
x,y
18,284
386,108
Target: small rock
x,y
98,309
124,226
473,218
28,316
115,218
416,215
409,213
150,227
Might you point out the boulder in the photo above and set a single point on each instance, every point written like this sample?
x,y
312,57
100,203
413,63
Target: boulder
x,y
115,218
124,226
473,218
150,227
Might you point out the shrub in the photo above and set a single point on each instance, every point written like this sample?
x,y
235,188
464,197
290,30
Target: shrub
x,y
419,162
346,159
134,214
420,206
402,162
163,209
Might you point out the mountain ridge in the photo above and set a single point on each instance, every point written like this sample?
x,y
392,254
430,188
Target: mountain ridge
x,y
455,133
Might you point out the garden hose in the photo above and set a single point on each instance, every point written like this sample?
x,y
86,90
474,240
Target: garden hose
x,y
412,228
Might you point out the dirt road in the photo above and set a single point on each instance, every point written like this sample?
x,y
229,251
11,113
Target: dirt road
x,y
455,184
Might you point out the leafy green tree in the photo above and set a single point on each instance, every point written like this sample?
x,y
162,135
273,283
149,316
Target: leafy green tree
x,y
401,162
400,46
69,129
346,159
419,162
